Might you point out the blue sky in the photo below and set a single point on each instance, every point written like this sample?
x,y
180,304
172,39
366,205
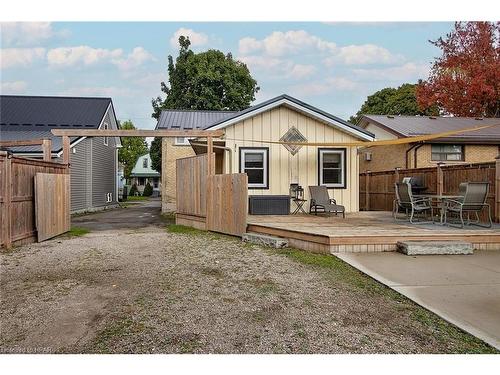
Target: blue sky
x,y
333,66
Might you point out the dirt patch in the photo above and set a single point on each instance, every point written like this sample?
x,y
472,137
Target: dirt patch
x,y
152,291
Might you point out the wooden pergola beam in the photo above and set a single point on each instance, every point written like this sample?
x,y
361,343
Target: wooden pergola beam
x,y
45,143
136,133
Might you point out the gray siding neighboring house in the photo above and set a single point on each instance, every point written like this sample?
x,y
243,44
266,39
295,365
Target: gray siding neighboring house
x,y
93,161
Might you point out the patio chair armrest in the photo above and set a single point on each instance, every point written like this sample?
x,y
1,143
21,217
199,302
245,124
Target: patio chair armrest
x,y
422,199
454,202
333,201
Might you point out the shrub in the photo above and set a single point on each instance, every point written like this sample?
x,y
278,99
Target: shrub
x,y
133,190
148,190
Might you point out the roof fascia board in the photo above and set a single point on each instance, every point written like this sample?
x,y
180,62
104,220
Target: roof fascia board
x,y
300,108
110,106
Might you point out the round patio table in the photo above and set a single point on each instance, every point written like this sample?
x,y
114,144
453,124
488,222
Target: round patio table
x,y
439,198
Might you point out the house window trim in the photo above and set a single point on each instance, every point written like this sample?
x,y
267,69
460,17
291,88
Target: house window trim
x,y
106,127
462,147
343,153
176,143
265,150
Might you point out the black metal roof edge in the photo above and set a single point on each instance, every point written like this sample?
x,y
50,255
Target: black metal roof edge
x,y
57,97
296,101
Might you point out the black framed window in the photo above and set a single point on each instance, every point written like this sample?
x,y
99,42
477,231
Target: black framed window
x,y
145,162
254,161
445,152
332,167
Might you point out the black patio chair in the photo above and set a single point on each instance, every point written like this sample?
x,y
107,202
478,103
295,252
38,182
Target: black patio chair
x,y
474,196
321,202
410,204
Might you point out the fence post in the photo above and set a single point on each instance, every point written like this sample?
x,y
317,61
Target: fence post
x,y
7,199
47,149
439,179
497,189
367,191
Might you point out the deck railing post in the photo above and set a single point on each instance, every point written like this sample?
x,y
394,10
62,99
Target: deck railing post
x,y
497,189
367,191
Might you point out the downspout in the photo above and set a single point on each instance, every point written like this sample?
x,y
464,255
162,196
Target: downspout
x,y
406,157
415,154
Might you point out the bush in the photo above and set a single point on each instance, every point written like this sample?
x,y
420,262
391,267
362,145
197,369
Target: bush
x,y
133,190
148,190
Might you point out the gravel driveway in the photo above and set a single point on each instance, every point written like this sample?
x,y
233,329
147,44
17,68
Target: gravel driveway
x,y
150,290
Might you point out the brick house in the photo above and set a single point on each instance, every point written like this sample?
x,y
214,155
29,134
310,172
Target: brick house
x,y
471,147
179,147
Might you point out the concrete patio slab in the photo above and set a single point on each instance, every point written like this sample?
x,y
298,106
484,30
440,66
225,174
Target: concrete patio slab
x,y
463,289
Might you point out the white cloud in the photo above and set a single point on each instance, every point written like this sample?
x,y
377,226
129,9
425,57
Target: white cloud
x,y
362,54
281,43
323,87
108,91
25,33
196,39
408,72
280,67
87,56
137,57
13,87
70,56
301,71
20,57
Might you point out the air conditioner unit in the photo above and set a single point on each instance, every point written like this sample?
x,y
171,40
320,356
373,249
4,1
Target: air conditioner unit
x,y
368,156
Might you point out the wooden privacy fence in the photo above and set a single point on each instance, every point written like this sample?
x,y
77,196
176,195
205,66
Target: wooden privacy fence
x,y
211,202
17,196
376,189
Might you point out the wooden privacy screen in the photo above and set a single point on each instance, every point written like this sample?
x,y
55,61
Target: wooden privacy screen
x,y
52,204
376,189
227,210
191,174
17,198
220,206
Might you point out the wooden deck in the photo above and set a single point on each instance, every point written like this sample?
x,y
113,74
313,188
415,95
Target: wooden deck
x,y
364,232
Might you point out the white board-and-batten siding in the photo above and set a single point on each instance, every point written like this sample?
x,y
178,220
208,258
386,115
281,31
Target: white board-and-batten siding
x,y
301,168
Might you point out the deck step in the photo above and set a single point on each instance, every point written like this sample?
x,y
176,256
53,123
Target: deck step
x,y
435,247
266,240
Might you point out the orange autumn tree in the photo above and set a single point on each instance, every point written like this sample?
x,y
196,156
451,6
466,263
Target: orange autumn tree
x,y
465,80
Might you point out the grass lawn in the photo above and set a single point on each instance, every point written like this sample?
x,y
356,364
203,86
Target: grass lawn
x,y
137,198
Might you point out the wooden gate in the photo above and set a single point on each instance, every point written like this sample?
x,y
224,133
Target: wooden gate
x,y
52,204
216,202
227,209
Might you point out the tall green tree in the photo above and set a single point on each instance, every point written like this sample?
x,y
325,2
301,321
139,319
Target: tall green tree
x,y
132,148
393,101
209,80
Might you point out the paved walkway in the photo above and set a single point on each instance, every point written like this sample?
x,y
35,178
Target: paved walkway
x,y
463,289
135,215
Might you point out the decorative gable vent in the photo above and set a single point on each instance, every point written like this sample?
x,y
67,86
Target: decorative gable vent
x,y
293,135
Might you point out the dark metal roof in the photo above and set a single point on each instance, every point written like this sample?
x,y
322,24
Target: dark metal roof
x,y
408,126
190,119
33,117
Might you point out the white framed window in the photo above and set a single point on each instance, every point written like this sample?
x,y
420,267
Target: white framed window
x,y
447,152
181,141
332,167
105,138
254,161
